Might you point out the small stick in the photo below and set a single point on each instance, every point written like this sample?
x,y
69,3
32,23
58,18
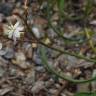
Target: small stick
x,y
61,88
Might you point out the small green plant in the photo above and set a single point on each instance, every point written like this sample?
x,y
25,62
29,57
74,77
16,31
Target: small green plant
x,y
15,33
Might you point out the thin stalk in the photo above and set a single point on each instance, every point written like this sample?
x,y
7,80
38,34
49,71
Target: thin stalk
x,y
90,41
58,50
44,59
88,8
69,40
86,94
68,53
60,74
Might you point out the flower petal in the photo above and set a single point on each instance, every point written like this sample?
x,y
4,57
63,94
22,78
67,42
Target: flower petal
x,y
16,25
20,28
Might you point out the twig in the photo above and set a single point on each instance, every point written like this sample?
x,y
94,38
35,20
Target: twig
x,y
61,89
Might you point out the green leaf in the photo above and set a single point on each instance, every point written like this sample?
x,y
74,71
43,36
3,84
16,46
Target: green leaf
x,y
86,94
61,6
88,7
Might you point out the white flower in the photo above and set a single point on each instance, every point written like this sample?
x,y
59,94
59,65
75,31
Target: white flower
x,y
13,31
36,32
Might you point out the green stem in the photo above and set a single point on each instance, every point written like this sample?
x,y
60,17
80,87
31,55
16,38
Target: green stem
x,y
44,59
51,69
58,32
68,53
58,50
90,41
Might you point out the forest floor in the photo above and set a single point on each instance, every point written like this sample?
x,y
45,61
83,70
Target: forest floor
x,y
21,70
